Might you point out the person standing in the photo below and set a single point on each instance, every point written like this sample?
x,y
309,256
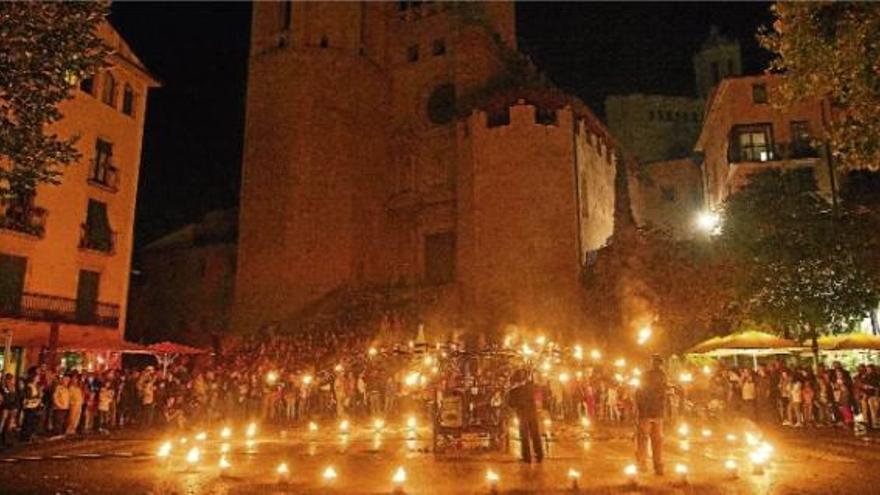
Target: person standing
x,y
11,399
522,400
77,399
650,404
60,404
31,404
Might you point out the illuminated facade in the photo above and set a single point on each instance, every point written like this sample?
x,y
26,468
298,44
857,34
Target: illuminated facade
x,y
360,169
65,252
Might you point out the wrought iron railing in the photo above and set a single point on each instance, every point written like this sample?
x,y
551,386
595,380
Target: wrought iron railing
x,y
92,240
26,219
43,307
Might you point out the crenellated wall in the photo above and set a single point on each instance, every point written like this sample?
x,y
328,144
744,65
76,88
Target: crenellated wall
x,y
532,197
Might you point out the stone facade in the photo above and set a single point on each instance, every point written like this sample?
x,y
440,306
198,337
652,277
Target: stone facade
x,y
744,132
184,290
718,58
669,196
654,128
359,170
66,253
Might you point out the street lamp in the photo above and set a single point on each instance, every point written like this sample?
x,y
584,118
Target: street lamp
x,y
708,221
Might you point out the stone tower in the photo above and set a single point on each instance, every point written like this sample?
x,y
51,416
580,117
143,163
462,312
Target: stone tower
x,y
350,143
718,58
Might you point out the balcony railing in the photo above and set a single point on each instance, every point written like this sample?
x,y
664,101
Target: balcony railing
x,y
774,152
91,240
105,177
30,220
42,307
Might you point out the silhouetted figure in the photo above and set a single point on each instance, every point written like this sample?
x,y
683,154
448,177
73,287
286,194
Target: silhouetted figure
x,y
522,400
650,401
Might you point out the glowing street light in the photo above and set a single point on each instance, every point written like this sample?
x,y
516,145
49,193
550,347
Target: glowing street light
x,y
201,436
644,335
251,430
563,377
411,423
620,363
378,424
343,426
578,352
313,427
683,430
686,377
708,221
595,354
372,352
226,432
706,433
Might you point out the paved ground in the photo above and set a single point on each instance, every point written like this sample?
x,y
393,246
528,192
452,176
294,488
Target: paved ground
x,y
803,462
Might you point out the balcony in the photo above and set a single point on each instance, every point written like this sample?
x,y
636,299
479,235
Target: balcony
x,y
104,177
92,240
42,307
775,152
24,219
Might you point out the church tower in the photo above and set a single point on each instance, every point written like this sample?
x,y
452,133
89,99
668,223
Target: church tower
x,y
350,145
718,58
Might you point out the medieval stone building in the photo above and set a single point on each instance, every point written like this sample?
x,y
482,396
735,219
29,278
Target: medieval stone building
x,y
379,152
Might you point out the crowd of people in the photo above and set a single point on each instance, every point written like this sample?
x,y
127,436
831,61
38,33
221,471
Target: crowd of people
x,y
800,396
326,375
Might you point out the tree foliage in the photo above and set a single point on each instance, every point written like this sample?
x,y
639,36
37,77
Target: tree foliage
x,y
45,47
832,50
806,269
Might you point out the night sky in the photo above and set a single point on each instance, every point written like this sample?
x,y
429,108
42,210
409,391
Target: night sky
x,y
194,128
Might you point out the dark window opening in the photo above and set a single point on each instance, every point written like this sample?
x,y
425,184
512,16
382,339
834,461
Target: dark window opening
x,y
412,53
12,270
108,92
759,93
128,101
545,116
87,296
286,15
498,118
441,104
96,232
325,43
440,258
87,85
439,47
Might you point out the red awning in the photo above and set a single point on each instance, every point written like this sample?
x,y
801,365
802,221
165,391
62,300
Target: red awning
x,y
174,348
70,337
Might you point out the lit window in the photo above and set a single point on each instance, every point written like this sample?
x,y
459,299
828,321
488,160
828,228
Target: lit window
x,y
752,143
441,104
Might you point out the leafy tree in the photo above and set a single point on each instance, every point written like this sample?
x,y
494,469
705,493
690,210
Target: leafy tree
x,y
45,47
832,50
806,269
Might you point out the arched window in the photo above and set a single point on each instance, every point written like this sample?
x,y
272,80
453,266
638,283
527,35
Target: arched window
x,y
128,100
108,91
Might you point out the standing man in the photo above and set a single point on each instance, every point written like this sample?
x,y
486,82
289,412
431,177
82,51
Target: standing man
x,y
522,400
650,402
11,401
60,404
31,404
